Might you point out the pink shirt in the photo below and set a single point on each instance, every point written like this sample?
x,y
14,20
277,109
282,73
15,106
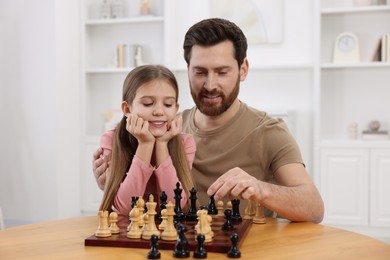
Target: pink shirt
x,y
142,179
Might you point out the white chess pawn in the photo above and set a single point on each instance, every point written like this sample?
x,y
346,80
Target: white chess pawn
x,y
134,231
113,223
259,218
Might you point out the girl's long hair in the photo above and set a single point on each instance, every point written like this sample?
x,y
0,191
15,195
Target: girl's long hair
x,y
125,144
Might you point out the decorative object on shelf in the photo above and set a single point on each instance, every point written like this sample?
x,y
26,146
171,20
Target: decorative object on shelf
x,y
346,48
112,118
116,9
105,9
353,130
374,131
145,7
368,2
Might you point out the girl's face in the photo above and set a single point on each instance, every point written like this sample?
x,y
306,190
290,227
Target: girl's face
x,y
155,102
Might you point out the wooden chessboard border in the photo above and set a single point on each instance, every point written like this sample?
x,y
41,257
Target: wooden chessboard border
x,y
217,245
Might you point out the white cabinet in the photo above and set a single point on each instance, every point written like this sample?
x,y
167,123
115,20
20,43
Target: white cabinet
x,y
345,186
354,182
379,187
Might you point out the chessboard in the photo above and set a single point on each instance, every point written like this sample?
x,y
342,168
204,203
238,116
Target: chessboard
x,y
221,241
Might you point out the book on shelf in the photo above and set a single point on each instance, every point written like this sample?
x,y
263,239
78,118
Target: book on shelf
x,y
382,49
125,55
369,135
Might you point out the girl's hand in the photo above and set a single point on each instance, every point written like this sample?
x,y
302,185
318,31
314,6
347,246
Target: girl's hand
x,y
139,128
174,128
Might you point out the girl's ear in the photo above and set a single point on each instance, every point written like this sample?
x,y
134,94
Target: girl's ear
x,y
125,108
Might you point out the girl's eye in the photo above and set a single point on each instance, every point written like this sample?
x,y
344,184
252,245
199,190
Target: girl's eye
x,y
168,105
148,104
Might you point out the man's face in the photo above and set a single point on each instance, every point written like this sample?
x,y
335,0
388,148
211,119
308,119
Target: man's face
x,y
214,77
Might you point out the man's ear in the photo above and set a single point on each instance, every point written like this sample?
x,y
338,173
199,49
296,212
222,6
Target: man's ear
x,y
244,69
125,108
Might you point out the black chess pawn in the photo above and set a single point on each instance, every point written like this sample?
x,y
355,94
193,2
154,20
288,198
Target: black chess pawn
x,y
179,214
182,249
228,224
191,215
234,252
154,253
200,251
212,208
236,217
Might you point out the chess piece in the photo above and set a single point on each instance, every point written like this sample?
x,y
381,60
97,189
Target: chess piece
x,y
179,212
259,217
250,210
133,228
236,217
229,205
203,226
153,253
234,252
212,209
141,207
169,232
181,248
200,251
163,223
191,215
228,224
220,213
113,223
103,230
150,227
163,203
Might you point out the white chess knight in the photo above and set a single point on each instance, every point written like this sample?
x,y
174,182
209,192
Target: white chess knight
x,y
204,225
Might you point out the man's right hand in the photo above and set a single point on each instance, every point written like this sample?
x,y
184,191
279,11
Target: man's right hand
x,y
100,165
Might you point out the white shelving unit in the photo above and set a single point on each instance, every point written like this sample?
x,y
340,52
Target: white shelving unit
x,y
352,172
102,80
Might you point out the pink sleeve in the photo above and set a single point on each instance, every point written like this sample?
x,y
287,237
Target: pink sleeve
x,y
134,185
166,175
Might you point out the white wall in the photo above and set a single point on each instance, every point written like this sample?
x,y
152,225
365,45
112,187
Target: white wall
x,y
39,109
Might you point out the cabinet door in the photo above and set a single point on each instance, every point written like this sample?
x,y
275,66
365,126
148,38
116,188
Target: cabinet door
x,y
380,191
344,185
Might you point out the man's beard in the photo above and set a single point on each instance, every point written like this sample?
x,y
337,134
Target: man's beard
x,y
210,108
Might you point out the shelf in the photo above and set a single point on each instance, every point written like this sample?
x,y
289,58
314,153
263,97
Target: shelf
x,y
362,65
135,20
363,9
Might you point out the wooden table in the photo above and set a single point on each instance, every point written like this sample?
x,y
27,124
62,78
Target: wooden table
x,y
278,239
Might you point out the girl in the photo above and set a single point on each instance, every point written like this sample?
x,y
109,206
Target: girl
x,y
150,154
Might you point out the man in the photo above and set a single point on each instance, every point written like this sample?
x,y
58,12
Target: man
x,y
241,152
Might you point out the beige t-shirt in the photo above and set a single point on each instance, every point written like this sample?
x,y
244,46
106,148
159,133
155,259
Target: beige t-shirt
x,y
251,140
